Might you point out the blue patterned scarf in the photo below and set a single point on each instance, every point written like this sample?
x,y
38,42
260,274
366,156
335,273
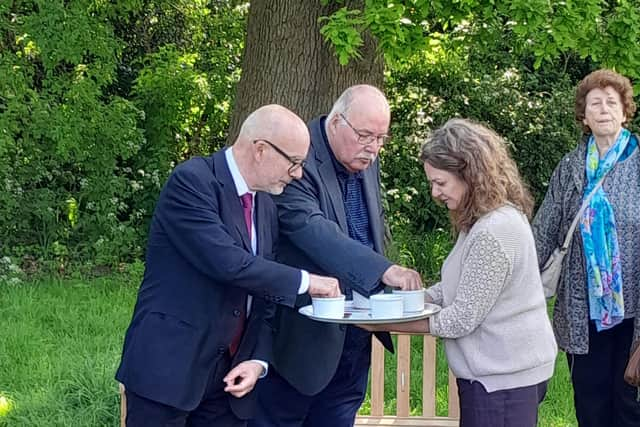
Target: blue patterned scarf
x,y
600,239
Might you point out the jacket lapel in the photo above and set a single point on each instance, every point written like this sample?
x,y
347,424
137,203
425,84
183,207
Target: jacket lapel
x,y
260,218
328,176
371,190
230,198
327,173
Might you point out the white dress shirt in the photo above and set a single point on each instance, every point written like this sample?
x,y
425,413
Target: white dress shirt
x,y
243,188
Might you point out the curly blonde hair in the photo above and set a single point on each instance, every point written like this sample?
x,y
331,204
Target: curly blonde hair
x,y
479,157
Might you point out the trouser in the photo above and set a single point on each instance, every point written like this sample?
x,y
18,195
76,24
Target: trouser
x,y
213,410
600,394
516,407
281,405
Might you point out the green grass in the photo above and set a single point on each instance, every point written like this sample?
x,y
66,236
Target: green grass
x,y
60,344
59,347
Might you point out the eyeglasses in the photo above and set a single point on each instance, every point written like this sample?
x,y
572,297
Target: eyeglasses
x,y
367,138
295,163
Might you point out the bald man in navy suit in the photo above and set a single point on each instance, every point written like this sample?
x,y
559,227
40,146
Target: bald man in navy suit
x,y
201,335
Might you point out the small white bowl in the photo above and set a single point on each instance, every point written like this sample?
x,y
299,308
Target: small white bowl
x,y
386,306
412,300
331,308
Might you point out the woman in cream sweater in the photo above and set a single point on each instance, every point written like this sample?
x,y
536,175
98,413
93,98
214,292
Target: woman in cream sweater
x,y
497,334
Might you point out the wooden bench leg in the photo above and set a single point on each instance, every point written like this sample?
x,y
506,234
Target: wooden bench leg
x,y
402,417
377,378
123,406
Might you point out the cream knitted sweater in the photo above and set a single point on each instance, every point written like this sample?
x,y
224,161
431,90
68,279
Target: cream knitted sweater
x,y
494,320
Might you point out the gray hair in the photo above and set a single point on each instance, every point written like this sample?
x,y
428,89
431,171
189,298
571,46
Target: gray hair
x,y
346,99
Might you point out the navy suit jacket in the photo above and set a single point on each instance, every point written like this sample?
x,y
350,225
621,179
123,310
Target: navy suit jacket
x,y
199,270
314,236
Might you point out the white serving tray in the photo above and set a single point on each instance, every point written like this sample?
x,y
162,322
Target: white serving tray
x,y
363,316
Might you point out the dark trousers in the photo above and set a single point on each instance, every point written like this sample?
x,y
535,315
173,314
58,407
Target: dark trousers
x,y
600,395
517,407
281,405
213,410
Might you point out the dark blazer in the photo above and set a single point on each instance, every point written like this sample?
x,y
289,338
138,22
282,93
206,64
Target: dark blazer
x,y
199,270
314,236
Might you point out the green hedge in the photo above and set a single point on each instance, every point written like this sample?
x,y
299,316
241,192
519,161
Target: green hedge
x,y
89,131
98,102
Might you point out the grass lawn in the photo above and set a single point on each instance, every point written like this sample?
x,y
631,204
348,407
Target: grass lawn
x,y
59,348
60,344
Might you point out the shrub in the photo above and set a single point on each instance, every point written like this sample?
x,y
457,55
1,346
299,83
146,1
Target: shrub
x,y
89,131
537,122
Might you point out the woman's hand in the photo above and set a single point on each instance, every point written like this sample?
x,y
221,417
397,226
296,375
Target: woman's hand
x,y
373,328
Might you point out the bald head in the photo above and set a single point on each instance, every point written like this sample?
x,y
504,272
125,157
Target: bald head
x,y
273,122
272,143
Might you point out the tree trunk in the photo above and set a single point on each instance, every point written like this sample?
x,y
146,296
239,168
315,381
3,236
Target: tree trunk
x,y
286,61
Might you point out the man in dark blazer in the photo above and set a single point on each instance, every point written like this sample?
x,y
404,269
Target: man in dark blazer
x,y
201,334
331,222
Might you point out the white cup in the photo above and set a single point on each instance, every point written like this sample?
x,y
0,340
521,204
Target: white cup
x,y
386,306
331,308
412,300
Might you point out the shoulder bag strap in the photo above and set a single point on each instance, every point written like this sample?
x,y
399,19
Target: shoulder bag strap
x,y
585,203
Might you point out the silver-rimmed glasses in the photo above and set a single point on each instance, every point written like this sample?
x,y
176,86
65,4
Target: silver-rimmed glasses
x,y
365,137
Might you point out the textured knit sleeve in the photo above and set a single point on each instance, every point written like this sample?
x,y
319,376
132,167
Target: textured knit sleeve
x,y
486,267
435,293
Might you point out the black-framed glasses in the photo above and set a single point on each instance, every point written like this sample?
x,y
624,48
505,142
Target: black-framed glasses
x,y
295,163
367,138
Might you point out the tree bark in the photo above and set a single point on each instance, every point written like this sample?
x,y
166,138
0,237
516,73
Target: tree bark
x,y
286,61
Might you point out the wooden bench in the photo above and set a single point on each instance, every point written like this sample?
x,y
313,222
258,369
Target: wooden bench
x,y
402,418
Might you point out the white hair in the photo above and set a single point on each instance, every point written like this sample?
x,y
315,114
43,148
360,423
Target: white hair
x,y
344,102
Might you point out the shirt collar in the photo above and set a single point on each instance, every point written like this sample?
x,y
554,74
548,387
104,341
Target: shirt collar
x,y
238,180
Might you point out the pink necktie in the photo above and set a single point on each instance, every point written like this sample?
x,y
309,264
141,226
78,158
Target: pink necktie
x,y
247,202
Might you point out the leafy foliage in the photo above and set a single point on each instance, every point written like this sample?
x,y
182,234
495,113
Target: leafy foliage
x,y
98,101
59,145
532,111
606,32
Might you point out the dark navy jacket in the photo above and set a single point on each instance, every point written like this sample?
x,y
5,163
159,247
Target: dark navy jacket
x,y
314,236
199,270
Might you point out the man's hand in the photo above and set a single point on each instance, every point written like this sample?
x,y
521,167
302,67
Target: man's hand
x,y
403,278
241,379
321,286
